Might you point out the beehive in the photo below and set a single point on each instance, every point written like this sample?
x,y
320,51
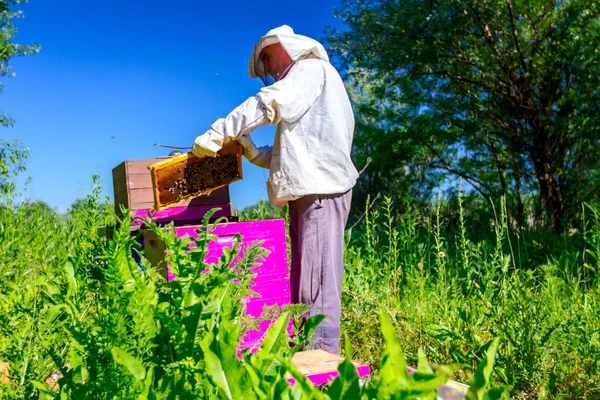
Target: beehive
x,y
132,186
185,177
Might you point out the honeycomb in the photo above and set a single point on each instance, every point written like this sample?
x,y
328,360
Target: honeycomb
x,y
200,177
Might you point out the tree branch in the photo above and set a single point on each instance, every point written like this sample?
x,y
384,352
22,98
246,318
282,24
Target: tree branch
x,y
514,34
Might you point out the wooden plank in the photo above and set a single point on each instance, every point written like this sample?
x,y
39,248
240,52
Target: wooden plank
x,y
142,205
119,187
139,181
119,171
188,215
311,362
320,366
120,184
140,166
143,195
461,387
122,174
218,196
121,198
140,198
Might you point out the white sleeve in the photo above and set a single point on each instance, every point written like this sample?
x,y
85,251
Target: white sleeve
x,y
241,121
290,98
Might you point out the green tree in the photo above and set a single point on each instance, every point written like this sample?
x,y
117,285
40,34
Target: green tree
x,y
503,93
8,48
13,158
12,154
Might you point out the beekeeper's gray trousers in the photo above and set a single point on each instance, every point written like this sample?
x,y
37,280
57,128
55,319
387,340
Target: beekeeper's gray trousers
x,y
317,224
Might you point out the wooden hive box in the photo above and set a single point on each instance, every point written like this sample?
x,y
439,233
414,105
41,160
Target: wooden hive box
x,y
132,186
185,177
321,367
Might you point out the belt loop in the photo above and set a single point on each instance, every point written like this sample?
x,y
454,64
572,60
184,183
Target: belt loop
x,y
319,201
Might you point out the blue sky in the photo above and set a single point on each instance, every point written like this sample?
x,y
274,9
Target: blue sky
x,y
144,72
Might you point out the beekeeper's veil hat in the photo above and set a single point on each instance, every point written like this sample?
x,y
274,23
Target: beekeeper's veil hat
x,y
298,47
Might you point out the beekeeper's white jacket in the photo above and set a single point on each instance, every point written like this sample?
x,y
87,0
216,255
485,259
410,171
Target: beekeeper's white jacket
x,y
311,151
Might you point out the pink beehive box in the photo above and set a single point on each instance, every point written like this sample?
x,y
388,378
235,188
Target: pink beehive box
x,y
271,282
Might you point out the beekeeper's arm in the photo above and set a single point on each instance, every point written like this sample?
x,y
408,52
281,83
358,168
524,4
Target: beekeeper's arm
x,y
290,98
259,156
244,119
287,100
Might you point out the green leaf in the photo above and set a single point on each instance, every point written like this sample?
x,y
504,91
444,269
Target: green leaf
x,y
43,388
274,343
483,374
501,393
424,366
345,386
302,382
148,393
307,330
222,365
72,282
312,323
133,365
392,373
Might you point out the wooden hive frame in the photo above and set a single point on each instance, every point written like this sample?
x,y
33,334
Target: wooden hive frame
x,y
165,175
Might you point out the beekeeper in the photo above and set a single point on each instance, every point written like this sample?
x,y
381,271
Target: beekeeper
x,y
309,162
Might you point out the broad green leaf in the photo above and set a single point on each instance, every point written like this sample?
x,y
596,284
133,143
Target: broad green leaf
x,y
503,393
148,393
424,366
345,386
274,342
308,329
72,282
222,365
256,378
312,324
133,364
393,364
483,374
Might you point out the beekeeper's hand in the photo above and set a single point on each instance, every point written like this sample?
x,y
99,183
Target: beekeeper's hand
x,y
250,150
260,156
208,144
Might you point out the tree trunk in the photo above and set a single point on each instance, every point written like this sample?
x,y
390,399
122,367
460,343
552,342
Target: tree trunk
x,y
550,193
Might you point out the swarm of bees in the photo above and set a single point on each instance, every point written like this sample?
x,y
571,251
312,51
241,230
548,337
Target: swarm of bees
x,y
199,177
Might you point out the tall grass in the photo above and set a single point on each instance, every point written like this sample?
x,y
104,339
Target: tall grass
x,y
81,320
451,293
